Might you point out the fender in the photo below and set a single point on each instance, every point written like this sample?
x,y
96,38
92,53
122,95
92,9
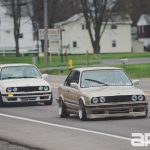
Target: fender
x,y
82,98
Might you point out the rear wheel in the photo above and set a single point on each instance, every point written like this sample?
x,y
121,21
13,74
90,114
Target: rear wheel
x,y
62,110
81,111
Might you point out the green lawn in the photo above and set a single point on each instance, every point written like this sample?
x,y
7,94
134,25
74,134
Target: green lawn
x,y
134,70
78,60
137,70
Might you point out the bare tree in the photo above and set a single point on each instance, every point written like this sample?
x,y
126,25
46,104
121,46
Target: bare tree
x,y
16,14
96,14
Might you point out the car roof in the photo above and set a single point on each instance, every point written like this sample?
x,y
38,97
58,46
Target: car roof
x,y
12,65
96,68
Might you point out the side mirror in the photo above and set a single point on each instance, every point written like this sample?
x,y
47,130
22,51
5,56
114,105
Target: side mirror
x,y
74,85
136,82
44,76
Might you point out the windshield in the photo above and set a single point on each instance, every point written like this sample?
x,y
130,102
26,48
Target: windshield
x,y
14,72
95,78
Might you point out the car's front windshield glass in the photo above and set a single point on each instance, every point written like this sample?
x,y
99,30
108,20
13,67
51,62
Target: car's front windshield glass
x,y
15,72
95,78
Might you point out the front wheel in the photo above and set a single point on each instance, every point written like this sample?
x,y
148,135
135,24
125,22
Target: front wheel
x,y
62,110
1,101
81,111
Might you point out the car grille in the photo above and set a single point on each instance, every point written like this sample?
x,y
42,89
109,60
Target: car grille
x,y
118,99
28,89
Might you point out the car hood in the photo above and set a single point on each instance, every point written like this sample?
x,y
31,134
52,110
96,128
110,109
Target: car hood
x,y
23,82
112,91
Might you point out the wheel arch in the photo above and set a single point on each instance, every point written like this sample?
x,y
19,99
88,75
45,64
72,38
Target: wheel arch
x,y
82,99
60,98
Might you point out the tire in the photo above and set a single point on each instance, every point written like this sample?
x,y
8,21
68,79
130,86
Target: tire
x,y
62,110
49,102
81,111
1,101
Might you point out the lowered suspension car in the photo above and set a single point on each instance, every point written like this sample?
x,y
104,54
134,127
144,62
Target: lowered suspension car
x,y
100,92
23,83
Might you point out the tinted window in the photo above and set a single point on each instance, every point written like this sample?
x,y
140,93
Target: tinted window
x,y
72,77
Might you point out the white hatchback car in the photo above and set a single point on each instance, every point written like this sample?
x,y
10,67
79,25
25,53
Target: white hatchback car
x,y
23,83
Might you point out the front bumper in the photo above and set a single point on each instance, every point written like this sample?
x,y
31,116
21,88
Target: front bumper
x,y
117,109
26,97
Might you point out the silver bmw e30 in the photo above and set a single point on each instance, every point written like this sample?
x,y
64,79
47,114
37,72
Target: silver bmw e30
x,y
100,92
20,83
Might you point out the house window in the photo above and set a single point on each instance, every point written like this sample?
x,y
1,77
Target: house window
x,y
74,44
114,43
113,26
83,27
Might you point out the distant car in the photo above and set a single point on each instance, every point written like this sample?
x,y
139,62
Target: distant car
x,y
23,83
99,92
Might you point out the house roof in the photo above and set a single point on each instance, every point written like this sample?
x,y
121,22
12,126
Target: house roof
x,y
74,18
115,18
120,18
144,20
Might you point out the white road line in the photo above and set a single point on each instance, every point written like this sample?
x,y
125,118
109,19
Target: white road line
x,y
66,127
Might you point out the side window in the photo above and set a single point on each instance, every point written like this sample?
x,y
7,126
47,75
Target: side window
x,y
76,77
69,78
73,77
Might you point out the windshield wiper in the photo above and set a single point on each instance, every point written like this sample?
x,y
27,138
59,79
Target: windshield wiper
x,y
16,77
9,78
97,82
28,77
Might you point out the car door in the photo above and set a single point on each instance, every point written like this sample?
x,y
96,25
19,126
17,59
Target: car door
x,y
73,93
65,88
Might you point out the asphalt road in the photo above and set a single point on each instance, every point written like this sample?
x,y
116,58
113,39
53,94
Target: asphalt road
x,y
39,126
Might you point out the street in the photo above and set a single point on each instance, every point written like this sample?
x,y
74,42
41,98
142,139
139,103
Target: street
x,y
39,126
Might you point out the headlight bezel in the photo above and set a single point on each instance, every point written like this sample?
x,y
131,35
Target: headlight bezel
x,y
102,99
136,98
46,88
95,100
9,89
41,88
141,97
98,100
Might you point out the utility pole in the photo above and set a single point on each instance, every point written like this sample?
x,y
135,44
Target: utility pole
x,y
46,34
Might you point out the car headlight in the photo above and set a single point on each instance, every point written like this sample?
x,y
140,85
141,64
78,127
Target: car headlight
x,y
15,89
102,99
9,89
95,100
40,88
134,98
140,97
46,88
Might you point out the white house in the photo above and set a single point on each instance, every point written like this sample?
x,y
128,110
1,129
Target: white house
x,y
7,42
116,38
143,25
